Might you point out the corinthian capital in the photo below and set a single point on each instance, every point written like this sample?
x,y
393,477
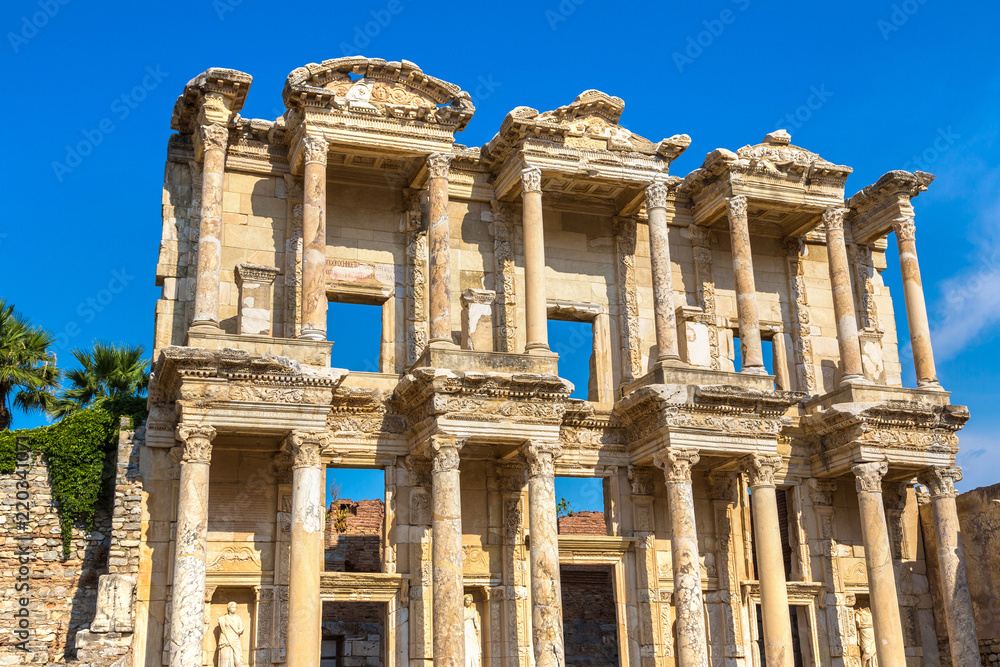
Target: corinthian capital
x,y
760,469
941,481
833,218
214,136
737,207
315,149
197,447
305,447
870,475
676,463
444,452
905,228
656,196
531,179
438,164
541,456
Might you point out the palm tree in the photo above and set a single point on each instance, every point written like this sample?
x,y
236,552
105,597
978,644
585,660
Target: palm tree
x,y
107,371
27,368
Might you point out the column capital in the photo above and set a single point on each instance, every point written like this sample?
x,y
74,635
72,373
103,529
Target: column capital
x,y
721,486
641,480
438,164
821,491
656,195
214,136
676,463
760,468
531,179
905,228
305,447
444,452
700,237
833,218
736,206
941,481
541,456
869,476
197,442
315,149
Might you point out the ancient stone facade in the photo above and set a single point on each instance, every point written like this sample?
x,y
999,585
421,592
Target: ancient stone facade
x,y
760,517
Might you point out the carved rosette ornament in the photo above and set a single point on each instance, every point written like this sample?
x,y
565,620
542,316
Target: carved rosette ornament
x,y
214,136
305,448
676,463
197,447
541,458
315,149
833,218
869,475
941,481
737,207
531,179
439,164
760,469
905,228
656,196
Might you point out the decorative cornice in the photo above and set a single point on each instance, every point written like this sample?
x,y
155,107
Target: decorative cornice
x,y
439,164
676,463
197,439
941,481
531,179
869,476
760,469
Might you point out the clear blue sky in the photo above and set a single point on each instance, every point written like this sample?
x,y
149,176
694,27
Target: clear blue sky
x,y
886,81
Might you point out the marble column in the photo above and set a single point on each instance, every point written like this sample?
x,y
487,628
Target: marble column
x,y
439,250
187,616
760,470
916,308
314,299
546,594
878,558
664,315
746,291
305,609
692,647
215,139
843,296
536,310
446,545
954,582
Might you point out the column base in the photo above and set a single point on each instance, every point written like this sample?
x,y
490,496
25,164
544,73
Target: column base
x,y
443,344
671,361
754,370
540,349
312,334
854,379
205,326
930,385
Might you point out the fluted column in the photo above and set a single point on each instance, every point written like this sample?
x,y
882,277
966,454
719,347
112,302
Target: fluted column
x,y
878,558
187,615
439,249
954,582
215,139
305,609
546,593
314,300
536,311
746,291
843,296
446,550
760,470
692,648
664,315
916,308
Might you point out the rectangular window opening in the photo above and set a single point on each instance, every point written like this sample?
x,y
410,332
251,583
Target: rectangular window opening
x,y
766,349
573,341
580,505
356,332
590,623
355,520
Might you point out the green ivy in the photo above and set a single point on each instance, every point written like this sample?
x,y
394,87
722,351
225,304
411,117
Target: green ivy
x,y
81,454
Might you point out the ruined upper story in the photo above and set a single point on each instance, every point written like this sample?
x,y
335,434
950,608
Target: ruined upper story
x,y
383,119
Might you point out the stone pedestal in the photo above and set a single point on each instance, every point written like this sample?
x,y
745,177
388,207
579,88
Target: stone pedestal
x,y
536,309
546,596
843,296
954,584
256,284
439,249
187,615
215,139
916,308
770,565
314,300
446,527
692,648
878,558
305,609
663,287
477,319
746,290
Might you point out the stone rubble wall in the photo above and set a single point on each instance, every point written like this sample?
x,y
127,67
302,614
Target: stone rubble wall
x,y
583,523
359,547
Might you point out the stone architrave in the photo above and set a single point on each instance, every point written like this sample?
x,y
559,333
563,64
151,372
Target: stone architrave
x,y
546,593
187,616
215,139
439,249
663,287
954,584
692,647
446,528
314,299
916,307
843,296
536,309
746,291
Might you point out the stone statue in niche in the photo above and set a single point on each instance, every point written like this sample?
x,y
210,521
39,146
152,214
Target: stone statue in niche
x,y
230,629
866,637
473,635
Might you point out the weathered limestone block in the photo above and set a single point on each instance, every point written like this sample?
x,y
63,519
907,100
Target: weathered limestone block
x,y
256,284
114,604
695,345
477,319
